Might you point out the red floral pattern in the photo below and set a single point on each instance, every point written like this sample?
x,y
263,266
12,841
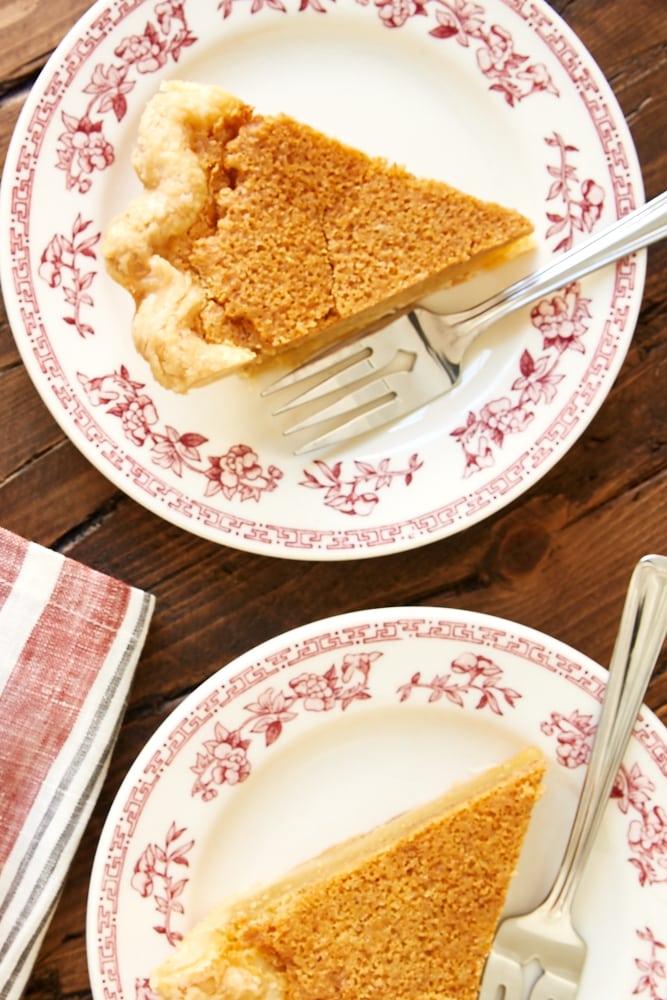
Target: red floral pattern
x,y
142,989
509,73
647,831
61,266
224,760
83,148
226,6
237,474
582,201
471,675
356,493
653,970
158,875
562,323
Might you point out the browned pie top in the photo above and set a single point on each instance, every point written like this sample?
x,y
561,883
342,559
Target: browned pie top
x,y
255,233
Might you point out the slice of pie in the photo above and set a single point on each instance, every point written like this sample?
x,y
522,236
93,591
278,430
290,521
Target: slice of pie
x,y
255,234
407,910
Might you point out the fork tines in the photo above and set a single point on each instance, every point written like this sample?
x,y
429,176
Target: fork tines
x,y
359,386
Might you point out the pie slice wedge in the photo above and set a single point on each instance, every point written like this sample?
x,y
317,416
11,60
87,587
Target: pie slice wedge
x,y
256,234
408,909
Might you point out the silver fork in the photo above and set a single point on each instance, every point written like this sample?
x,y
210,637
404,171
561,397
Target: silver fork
x,y
377,377
547,934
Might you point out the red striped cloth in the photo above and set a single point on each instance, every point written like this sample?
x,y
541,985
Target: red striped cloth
x,y
70,638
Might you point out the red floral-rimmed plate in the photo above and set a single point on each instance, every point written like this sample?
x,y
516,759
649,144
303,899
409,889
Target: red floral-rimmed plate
x,y
329,729
498,98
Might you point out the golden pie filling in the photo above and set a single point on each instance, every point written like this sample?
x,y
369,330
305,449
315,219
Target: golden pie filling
x,y
254,235
408,909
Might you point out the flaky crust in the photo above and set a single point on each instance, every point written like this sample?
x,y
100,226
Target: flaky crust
x,y
169,301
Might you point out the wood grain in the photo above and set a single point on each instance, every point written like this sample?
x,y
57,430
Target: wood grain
x,y
558,559
29,31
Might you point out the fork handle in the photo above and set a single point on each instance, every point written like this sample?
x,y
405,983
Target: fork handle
x,y
638,644
633,231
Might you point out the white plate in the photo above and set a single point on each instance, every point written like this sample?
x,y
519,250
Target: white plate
x,y
338,725
498,98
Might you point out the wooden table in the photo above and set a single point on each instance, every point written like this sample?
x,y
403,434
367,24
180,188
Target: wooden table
x,y
558,559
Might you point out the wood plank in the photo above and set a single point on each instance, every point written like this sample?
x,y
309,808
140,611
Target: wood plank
x,y
512,565
53,494
10,109
33,432
30,30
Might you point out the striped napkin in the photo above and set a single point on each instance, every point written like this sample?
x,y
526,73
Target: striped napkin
x,y
70,638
